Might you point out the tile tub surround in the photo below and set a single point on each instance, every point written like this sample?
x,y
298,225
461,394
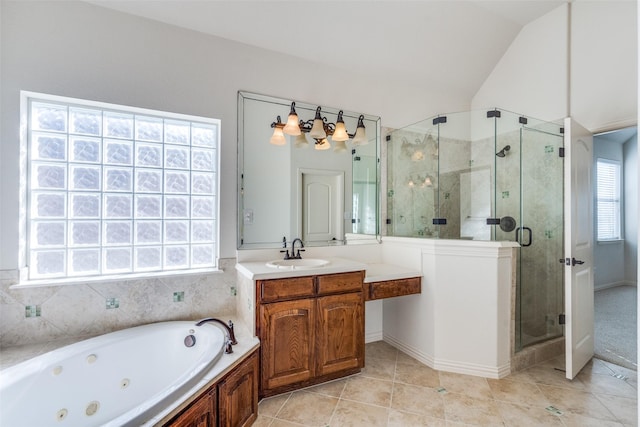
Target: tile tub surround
x,y
74,312
396,390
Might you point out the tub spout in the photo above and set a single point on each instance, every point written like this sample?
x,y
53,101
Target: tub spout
x,y
231,337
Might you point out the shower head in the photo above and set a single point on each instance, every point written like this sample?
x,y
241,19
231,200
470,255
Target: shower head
x,y
504,150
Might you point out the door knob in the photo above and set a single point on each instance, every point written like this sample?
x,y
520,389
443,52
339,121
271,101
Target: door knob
x,y
576,261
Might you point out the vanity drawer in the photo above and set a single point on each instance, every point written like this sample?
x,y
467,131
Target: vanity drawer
x,y
342,282
393,288
281,289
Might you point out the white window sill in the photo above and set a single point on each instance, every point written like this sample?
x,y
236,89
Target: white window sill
x,y
610,242
112,278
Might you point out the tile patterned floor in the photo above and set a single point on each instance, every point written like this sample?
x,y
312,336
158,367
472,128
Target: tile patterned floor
x,y
395,390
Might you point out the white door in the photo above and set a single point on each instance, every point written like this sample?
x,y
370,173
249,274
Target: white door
x,y
322,205
578,210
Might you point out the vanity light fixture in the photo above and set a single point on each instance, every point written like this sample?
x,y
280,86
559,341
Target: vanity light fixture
x,y
320,129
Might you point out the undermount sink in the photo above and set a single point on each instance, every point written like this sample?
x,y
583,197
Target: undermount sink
x,y
297,264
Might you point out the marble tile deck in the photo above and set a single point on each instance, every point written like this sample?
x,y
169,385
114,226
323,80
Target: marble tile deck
x,y
395,390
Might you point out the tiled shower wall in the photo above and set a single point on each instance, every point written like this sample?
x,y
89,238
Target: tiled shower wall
x,y
43,314
468,184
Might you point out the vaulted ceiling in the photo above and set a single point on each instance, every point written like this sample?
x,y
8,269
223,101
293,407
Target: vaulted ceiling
x,y
454,44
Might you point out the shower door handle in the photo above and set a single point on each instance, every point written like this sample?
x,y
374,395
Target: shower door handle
x,y
530,241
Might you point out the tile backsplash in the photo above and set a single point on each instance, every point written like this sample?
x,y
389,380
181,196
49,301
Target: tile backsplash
x,y
79,311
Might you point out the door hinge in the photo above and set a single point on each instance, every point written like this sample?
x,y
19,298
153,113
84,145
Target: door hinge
x,y
562,319
388,221
440,119
561,152
523,120
493,113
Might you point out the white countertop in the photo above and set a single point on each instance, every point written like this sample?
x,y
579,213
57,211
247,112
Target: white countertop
x,y
258,270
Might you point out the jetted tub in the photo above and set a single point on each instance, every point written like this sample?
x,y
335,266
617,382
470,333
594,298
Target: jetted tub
x,y
119,379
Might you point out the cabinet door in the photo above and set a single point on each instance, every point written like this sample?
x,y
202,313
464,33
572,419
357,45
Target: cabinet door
x,y
238,395
340,333
287,339
201,413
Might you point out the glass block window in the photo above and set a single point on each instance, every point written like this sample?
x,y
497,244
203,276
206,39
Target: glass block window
x,y
118,190
608,199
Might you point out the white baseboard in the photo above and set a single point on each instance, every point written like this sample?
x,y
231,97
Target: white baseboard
x,y
373,337
449,365
603,286
416,354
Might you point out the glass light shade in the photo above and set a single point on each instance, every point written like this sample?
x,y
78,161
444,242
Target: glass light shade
x,y
278,137
340,146
292,127
360,138
340,134
317,131
301,141
323,145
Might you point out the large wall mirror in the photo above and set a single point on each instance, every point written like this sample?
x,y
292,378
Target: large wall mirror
x,y
325,197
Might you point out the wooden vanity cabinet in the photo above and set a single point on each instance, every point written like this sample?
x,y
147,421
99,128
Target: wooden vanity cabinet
x,y
393,288
311,330
231,402
287,331
238,395
201,413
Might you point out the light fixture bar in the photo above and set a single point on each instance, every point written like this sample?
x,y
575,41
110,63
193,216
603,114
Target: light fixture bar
x,y
320,129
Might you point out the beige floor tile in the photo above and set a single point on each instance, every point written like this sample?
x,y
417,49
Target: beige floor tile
x,y
331,388
597,366
405,419
550,376
623,408
380,350
421,375
576,402
407,360
283,423
476,387
309,409
419,400
527,416
607,384
575,420
368,390
465,409
379,368
354,414
517,392
271,405
262,421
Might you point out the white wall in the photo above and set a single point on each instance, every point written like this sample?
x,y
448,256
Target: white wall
x,y
531,77
630,154
534,76
604,64
608,257
462,321
84,51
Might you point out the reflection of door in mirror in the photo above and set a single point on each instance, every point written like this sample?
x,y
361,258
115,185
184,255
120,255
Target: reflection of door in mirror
x,y
322,207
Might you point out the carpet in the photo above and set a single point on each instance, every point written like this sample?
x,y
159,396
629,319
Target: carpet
x,y
616,335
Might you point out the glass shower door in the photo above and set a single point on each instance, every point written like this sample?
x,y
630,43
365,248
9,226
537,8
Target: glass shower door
x,y
539,300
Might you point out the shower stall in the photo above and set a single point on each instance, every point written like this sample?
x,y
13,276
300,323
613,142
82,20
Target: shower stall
x,y
487,175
